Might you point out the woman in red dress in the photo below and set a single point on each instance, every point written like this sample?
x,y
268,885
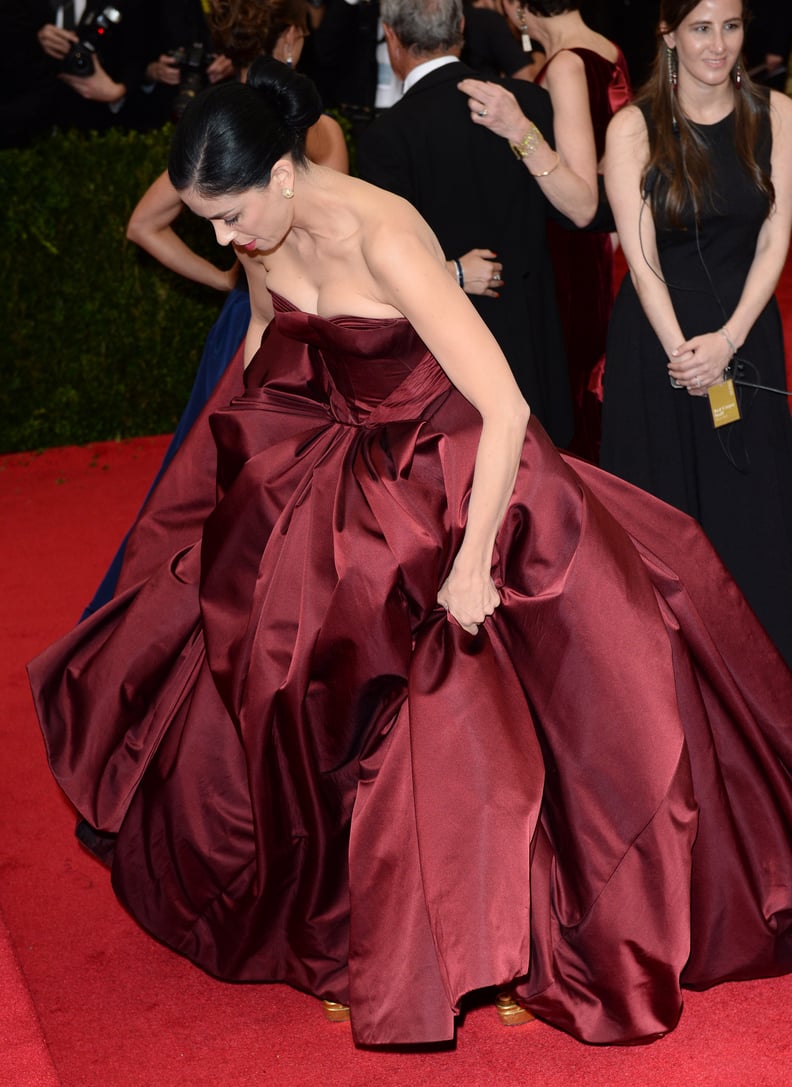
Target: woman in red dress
x,y
425,707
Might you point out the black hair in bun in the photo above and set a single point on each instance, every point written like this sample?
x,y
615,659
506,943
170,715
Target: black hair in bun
x,y
232,134
291,94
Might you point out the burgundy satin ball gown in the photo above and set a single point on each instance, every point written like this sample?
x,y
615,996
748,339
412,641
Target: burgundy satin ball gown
x,y
317,777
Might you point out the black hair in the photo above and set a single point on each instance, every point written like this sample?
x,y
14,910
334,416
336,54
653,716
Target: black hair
x,y
232,134
551,7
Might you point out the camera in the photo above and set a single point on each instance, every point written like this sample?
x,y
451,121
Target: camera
x,y
94,27
192,63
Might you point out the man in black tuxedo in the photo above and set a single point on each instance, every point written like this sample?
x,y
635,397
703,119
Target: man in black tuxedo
x,y
474,193
107,94
176,27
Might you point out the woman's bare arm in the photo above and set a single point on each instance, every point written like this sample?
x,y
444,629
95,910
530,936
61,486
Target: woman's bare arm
x,y
326,145
626,155
151,227
407,264
573,195
261,311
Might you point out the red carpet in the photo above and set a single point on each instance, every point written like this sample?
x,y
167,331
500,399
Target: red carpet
x,y
88,1000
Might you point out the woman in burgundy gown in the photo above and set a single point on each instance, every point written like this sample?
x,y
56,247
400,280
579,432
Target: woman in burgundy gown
x,y
587,79
425,707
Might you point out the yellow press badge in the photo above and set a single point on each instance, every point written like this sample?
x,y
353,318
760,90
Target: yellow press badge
x,y
723,403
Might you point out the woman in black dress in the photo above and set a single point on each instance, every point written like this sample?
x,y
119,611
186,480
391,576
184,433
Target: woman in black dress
x,y
699,175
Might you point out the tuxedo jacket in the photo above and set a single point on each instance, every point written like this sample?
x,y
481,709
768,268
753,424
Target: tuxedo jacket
x,y
468,185
122,54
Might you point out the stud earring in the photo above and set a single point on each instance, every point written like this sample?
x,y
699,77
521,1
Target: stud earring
x,y
287,194
527,44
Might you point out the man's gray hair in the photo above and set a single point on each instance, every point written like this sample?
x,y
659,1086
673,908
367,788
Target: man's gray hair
x,y
424,26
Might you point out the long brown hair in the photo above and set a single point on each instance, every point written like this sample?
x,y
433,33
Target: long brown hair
x,y
245,29
678,156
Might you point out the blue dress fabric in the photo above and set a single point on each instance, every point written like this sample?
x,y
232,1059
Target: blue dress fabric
x,y
220,350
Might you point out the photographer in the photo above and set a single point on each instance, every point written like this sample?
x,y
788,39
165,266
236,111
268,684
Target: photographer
x,y
184,60
96,53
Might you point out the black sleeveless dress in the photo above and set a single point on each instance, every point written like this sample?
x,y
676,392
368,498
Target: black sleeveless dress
x,y
737,480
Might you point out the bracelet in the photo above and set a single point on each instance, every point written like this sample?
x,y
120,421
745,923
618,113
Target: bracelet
x,y
723,331
529,143
546,173
459,273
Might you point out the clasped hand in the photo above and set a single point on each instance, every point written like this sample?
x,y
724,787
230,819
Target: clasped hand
x,y
699,362
469,598
483,273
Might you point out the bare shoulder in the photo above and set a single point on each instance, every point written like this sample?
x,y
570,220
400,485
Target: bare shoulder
x,y
401,239
326,123
781,109
562,66
627,137
386,215
628,123
325,144
395,238
781,127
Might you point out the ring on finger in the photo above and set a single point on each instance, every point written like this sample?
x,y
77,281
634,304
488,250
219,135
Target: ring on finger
x,y
496,276
483,111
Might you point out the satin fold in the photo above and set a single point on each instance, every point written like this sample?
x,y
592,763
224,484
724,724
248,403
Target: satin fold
x,y
317,777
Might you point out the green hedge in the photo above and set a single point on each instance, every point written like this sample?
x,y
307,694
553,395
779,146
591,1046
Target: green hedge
x,y
97,340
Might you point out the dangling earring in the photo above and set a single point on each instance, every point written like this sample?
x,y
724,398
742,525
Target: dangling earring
x,y
672,64
287,194
527,44
738,75
289,58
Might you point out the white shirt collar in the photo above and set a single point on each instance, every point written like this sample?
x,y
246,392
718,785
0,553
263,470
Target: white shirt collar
x,y
424,69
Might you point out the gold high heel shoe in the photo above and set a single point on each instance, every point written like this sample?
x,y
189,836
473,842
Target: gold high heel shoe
x,y
335,1012
510,1012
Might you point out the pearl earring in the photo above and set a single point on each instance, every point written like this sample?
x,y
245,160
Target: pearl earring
x,y
287,193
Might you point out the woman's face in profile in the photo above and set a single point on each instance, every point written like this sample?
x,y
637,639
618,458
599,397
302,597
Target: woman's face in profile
x,y
251,220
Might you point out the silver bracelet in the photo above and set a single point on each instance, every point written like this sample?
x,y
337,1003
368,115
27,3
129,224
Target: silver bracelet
x,y
728,339
459,273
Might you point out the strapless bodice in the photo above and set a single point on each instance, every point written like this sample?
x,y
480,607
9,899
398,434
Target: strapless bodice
x,y
378,368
